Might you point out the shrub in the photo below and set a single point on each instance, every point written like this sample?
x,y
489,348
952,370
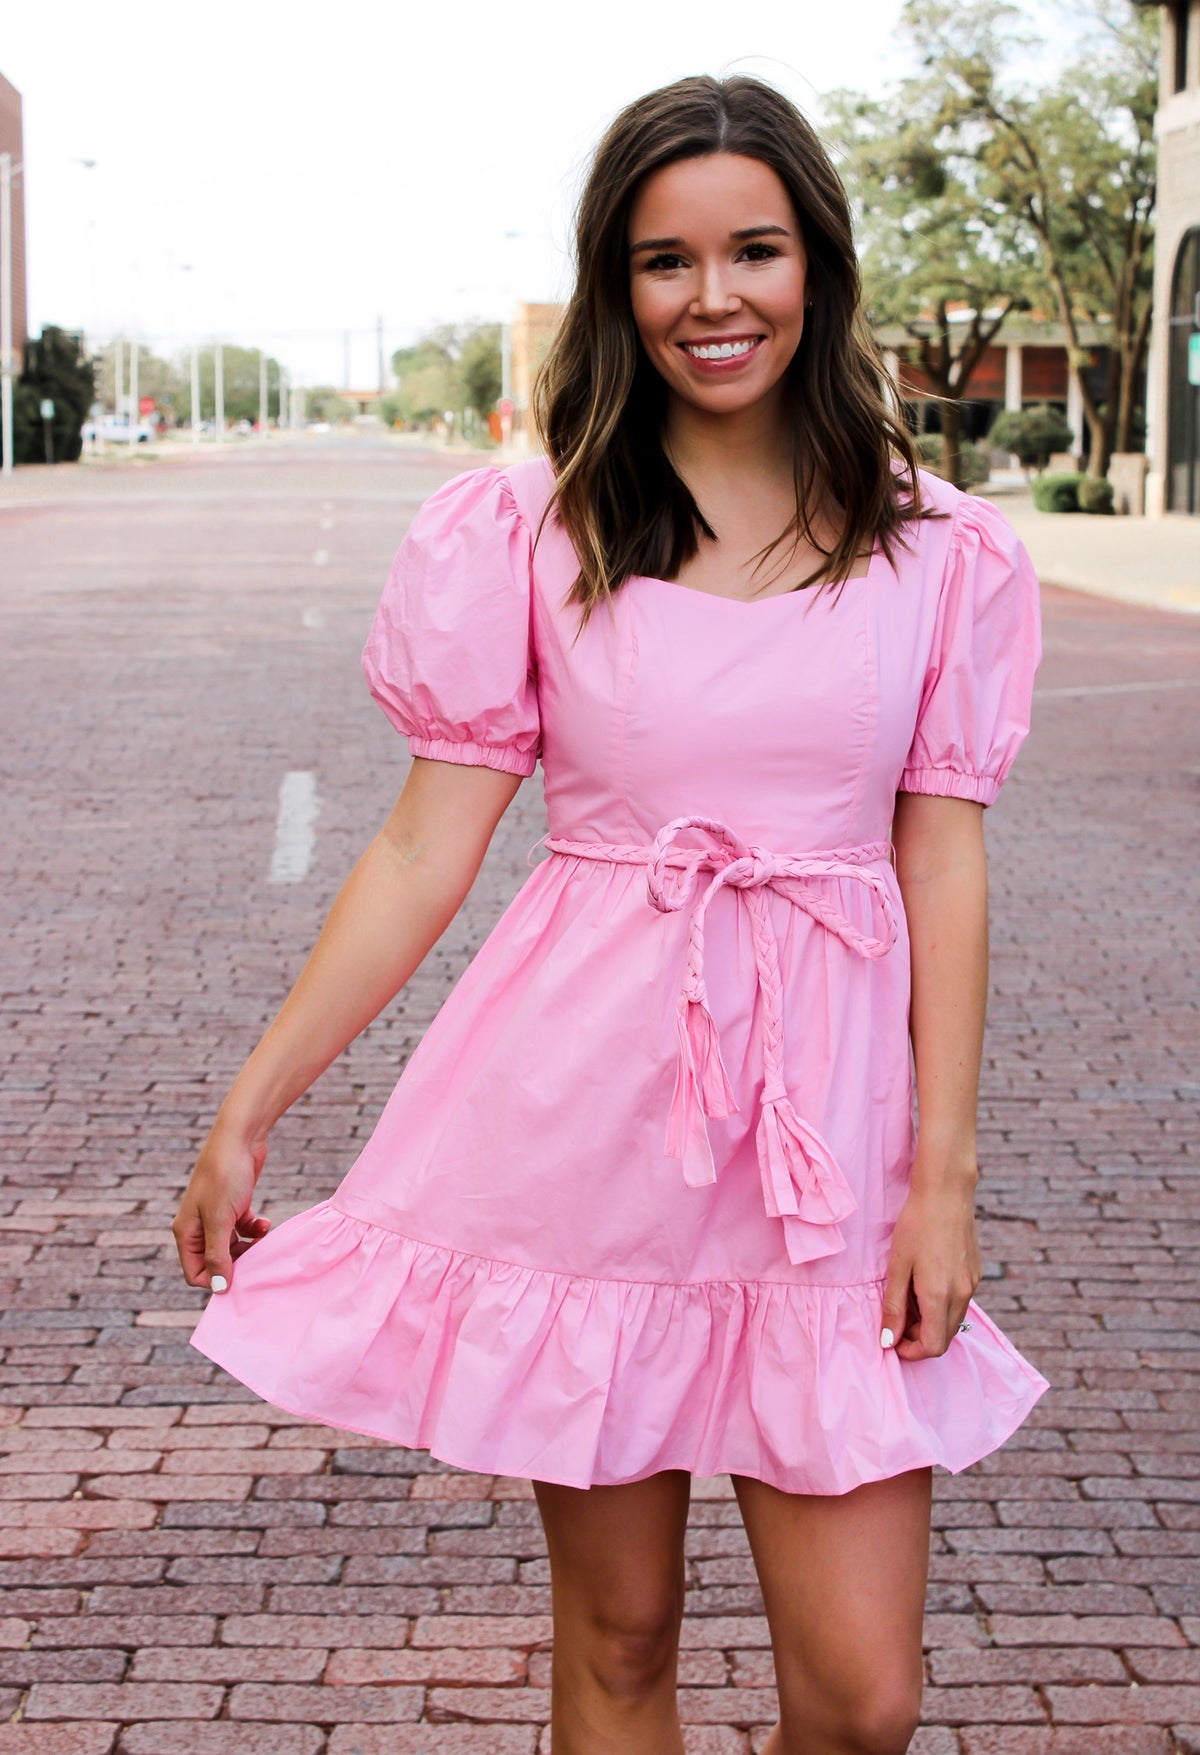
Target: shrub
x,y
1095,494
1031,434
1057,493
973,465
57,370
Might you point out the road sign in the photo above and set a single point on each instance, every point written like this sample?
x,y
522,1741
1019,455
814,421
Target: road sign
x,y
506,406
146,405
47,408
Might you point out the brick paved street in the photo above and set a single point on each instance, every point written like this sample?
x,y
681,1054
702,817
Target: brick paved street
x,y
185,1570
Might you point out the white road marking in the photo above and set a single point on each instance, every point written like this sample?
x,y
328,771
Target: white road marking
x,y
321,558
312,618
295,827
325,524
1126,688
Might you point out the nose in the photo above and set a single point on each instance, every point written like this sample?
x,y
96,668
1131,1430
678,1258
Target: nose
x,y
714,298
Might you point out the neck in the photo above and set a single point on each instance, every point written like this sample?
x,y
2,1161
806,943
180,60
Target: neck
x,y
751,441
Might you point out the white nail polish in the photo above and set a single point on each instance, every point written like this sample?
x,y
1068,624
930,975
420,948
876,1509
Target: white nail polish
x,y
219,1283
887,1338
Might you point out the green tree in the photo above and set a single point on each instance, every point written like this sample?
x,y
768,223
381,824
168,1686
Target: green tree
x,y
325,403
425,379
480,368
1031,434
57,370
451,369
169,382
240,366
165,380
1073,163
938,260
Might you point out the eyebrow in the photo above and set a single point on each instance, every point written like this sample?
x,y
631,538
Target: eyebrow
x,y
740,237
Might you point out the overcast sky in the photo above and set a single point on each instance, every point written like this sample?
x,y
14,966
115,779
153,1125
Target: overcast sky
x,y
282,173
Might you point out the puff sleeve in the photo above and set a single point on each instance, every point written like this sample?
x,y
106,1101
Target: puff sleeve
x,y
987,643
449,657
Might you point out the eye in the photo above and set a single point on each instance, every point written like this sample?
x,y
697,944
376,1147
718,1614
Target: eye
x,y
662,263
763,252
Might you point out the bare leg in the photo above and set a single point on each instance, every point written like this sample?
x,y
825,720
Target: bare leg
x,y
843,1580
616,1572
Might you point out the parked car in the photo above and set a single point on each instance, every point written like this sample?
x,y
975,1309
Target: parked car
x,y
115,429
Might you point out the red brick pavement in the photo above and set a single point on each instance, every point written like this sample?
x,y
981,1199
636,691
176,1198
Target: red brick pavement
x,y
183,1568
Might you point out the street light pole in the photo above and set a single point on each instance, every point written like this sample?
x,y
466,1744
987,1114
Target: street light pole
x,y
219,390
6,310
9,171
262,391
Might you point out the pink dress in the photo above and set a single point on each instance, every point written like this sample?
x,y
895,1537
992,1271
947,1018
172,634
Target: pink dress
x,y
630,1204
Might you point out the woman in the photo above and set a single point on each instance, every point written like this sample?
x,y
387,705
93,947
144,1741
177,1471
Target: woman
x,y
648,1200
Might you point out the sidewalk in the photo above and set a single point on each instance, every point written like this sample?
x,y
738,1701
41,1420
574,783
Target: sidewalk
x,y
1154,562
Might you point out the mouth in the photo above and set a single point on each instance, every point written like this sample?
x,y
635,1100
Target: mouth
x,y
721,352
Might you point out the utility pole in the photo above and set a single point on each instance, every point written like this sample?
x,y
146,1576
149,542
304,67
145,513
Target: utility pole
x,y
195,392
262,391
219,387
118,375
134,399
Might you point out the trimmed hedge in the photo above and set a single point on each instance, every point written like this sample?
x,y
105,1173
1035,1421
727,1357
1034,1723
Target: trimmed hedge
x,y
1067,491
1057,493
1095,494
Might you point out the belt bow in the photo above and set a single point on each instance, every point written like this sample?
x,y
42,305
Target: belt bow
x,y
803,1185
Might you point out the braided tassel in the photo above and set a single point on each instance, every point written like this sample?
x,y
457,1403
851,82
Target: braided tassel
x,y
802,1184
701,1088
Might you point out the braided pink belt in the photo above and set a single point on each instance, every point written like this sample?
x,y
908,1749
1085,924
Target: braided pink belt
x,y
802,1183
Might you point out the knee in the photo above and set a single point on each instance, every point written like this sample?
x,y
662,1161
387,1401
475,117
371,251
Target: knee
x,y
884,1719
629,1649
880,1718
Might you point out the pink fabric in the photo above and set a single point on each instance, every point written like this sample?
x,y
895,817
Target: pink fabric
x,y
629,1206
802,1184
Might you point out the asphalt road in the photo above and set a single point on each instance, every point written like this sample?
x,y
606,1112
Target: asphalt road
x,y
185,1569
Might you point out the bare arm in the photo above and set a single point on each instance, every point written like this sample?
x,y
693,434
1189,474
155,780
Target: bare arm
x,y
392,909
935,1264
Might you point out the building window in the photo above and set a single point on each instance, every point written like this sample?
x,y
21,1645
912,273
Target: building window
x,y
1183,379
1179,32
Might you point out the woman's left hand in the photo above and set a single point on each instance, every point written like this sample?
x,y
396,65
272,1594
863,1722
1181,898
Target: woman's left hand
x,y
934,1268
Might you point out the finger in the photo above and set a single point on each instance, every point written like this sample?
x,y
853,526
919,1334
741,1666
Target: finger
x,y
248,1235
188,1231
218,1251
931,1336
895,1301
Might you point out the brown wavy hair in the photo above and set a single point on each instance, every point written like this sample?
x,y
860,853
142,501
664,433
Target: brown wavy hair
x,y
599,403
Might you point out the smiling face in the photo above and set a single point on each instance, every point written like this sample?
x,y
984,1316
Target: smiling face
x,y
717,270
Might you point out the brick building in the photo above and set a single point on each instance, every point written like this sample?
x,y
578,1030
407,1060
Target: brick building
x,y
1027,363
1174,437
10,142
532,331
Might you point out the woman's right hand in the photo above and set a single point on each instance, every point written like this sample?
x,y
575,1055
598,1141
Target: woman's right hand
x,y
216,1222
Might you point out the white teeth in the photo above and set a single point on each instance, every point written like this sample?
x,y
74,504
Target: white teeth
x,y
723,350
